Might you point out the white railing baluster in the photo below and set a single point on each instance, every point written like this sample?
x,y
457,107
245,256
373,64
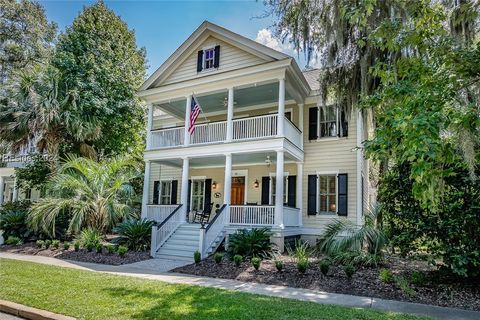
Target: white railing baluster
x,y
158,213
165,229
252,215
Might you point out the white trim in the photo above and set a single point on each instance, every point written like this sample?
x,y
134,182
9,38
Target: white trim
x,y
270,186
327,173
198,177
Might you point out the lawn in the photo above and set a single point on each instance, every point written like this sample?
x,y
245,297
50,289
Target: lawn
x,y
89,295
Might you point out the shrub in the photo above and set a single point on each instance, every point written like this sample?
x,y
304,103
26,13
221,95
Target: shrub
x,y
302,265
89,238
135,234
386,276
349,270
301,250
122,250
325,266
250,243
279,265
110,248
404,285
197,257
40,243
256,261
13,219
12,240
450,232
66,245
48,243
418,278
56,244
76,245
218,257
99,248
349,244
237,259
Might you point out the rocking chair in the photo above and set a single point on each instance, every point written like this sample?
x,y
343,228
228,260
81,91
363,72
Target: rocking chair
x,y
203,216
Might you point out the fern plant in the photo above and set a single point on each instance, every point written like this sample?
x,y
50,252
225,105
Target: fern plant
x,y
250,243
348,243
135,234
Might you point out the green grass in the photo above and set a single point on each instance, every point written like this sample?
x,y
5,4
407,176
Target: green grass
x,y
89,295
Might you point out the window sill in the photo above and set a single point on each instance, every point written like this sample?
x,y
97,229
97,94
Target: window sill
x,y
206,71
330,139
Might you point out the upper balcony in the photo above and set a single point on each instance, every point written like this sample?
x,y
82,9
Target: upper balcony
x,y
244,129
232,118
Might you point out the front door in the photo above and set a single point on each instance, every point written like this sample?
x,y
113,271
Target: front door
x,y
238,191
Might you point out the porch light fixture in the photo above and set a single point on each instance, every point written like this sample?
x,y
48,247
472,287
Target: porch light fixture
x,y
214,185
268,161
256,184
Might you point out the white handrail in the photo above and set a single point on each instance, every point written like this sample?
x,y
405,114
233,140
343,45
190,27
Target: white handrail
x,y
255,127
292,133
213,230
159,212
170,137
210,132
291,217
252,215
161,233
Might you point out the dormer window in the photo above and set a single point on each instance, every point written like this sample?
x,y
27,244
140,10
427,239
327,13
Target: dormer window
x,y
208,59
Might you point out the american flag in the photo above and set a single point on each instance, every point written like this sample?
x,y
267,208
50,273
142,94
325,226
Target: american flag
x,y
195,110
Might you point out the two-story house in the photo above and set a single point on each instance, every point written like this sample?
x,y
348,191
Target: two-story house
x,y
264,151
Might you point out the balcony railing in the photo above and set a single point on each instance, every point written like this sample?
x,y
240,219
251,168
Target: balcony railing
x,y
264,126
252,215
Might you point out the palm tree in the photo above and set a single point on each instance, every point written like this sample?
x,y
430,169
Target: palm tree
x,y
346,242
35,106
93,194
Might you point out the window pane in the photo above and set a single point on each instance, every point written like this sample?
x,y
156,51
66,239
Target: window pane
x,y
323,184
323,203
332,203
331,184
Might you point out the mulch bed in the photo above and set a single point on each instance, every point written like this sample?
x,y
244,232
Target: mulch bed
x,y
82,255
437,290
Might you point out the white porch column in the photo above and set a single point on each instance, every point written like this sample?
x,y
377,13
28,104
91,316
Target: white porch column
x,y
146,188
300,192
2,189
300,122
359,167
184,196
15,190
186,141
279,190
149,126
227,190
230,115
281,107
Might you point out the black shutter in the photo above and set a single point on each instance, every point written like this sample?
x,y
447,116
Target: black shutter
x,y
200,61
208,193
173,199
342,194
312,123
292,191
189,194
156,189
265,190
216,61
343,124
312,195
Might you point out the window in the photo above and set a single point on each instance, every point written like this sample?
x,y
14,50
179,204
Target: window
x,y
273,182
328,121
198,194
28,194
288,115
208,58
328,193
165,192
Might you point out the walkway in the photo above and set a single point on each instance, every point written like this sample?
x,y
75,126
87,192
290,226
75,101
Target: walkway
x,y
156,269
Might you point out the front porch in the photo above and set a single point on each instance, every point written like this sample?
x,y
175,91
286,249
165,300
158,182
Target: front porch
x,y
241,188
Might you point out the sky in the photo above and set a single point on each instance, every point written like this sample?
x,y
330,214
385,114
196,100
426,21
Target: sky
x,y
162,26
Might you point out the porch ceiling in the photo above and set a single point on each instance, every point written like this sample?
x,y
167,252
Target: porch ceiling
x,y
244,97
237,160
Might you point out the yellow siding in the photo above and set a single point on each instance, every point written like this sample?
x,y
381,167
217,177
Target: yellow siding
x,y
331,155
231,58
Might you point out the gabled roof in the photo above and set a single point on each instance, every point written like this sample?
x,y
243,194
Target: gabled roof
x,y
205,30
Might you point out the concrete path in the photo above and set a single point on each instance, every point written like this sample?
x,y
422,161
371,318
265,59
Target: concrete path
x,y
157,270
5,316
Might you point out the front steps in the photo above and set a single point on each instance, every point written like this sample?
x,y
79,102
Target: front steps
x,y
182,243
